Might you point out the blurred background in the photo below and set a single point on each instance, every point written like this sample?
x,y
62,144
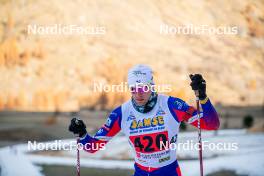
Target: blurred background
x,y
46,77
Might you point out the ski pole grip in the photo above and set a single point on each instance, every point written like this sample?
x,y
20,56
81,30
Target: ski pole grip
x,y
77,121
196,93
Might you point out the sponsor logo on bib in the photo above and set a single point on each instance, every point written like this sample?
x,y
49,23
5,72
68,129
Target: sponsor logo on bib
x,y
147,122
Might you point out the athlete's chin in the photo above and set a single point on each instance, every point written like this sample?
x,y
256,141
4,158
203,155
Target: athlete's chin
x,y
141,102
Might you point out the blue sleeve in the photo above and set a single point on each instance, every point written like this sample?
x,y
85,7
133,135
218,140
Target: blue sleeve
x,y
106,132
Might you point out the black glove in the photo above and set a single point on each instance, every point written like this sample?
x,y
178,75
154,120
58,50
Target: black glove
x,y
77,127
198,83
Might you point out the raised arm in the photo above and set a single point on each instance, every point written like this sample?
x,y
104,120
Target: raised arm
x,y
183,112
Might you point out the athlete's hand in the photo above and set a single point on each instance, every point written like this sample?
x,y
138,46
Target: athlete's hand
x,y
198,84
77,127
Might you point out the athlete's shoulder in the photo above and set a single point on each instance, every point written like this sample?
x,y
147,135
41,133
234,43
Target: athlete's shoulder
x,y
177,103
115,116
163,96
116,112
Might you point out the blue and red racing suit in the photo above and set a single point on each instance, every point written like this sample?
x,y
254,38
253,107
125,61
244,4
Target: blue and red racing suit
x,y
146,132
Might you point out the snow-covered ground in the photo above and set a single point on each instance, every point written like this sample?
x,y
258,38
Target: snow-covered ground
x,y
247,159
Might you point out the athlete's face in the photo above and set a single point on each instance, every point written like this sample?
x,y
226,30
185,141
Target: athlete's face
x,y
141,95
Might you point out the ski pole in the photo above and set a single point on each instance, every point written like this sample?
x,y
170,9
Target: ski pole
x,y
78,159
199,132
78,166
